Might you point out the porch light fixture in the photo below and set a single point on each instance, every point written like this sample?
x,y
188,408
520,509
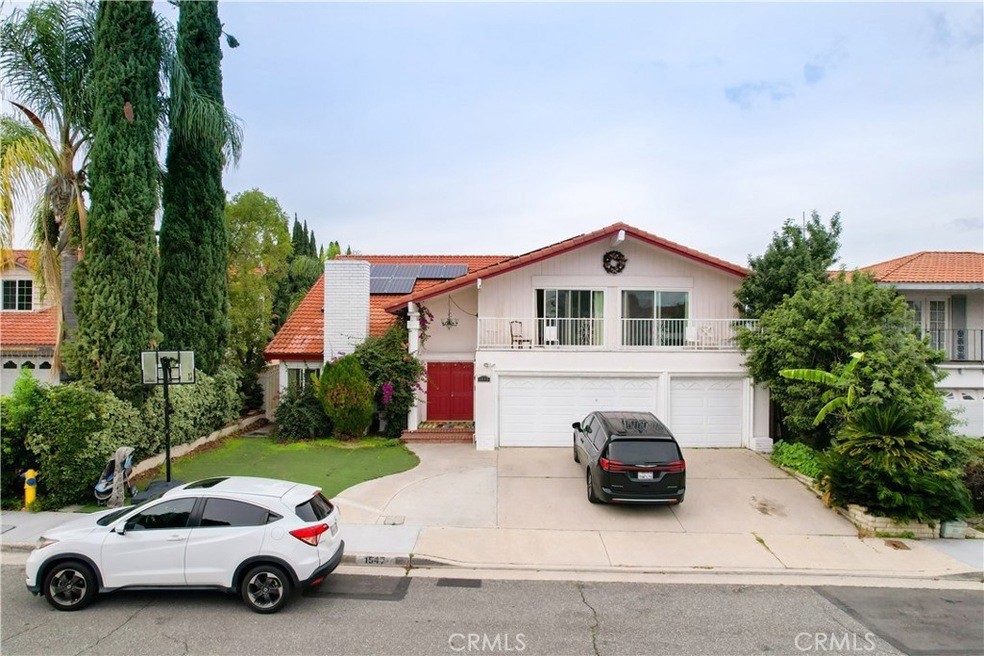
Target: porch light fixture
x,y
449,322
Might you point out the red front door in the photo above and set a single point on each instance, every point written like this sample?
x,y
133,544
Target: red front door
x,y
450,391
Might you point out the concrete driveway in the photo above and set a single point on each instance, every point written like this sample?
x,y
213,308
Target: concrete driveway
x,y
728,491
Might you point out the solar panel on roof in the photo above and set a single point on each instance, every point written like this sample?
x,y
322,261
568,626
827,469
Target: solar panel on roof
x,y
401,278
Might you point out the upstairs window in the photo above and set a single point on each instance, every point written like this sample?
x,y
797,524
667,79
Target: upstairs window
x,y
654,317
570,317
18,294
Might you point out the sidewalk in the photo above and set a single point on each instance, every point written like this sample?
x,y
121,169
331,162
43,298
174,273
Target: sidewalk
x,y
551,550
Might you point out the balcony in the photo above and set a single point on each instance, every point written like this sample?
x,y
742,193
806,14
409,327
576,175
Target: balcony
x,y
597,334
959,344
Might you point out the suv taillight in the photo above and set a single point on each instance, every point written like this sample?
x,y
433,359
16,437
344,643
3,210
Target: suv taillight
x,y
310,534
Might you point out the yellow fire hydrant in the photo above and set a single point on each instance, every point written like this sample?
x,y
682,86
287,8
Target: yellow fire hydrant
x,y
30,486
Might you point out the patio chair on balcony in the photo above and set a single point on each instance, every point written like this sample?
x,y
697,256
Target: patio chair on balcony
x,y
516,339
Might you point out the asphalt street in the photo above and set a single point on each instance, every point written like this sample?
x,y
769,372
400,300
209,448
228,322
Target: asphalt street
x,y
361,614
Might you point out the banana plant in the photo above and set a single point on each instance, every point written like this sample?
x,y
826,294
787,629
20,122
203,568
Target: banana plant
x,y
844,380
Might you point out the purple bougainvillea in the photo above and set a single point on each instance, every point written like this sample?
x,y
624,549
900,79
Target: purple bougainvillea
x,y
387,393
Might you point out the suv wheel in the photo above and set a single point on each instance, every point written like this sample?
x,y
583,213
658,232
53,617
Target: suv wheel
x,y
265,589
70,585
591,493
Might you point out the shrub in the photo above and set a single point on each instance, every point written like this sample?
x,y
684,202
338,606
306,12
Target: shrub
x,y
394,374
881,462
17,414
346,395
301,416
798,457
196,410
973,475
818,327
74,434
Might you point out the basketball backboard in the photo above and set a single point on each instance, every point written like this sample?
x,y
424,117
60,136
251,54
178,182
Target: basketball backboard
x,y
180,363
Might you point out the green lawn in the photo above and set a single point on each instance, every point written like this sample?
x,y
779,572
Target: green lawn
x,y
329,464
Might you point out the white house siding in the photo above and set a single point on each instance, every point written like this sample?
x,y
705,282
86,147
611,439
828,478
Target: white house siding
x,y
511,295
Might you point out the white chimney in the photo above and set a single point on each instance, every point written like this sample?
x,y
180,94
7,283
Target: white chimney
x,y
346,306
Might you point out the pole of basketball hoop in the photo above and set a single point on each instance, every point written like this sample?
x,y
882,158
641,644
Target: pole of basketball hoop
x,y
166,366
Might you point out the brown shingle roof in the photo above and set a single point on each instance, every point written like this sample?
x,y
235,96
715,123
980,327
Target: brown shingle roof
x,y
931,267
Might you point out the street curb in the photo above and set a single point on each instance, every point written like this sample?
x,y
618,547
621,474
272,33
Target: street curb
x,y
419,562
17,547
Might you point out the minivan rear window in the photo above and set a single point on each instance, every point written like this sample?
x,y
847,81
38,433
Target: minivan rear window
x,y
316,508
641,452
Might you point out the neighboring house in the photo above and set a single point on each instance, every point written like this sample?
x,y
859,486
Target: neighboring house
x,y
28,326
946,292
616,319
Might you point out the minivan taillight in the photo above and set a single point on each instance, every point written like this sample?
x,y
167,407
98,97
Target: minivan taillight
x,y
674,467
310,534
612,465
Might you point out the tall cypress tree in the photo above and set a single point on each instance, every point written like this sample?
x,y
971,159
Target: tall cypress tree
x,y
116,282
194,289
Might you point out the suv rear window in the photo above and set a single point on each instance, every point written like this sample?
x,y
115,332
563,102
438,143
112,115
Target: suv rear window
x,y
318,507
638,452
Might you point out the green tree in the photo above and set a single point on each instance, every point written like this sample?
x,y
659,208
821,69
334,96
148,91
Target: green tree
x,y
117,279
304,267
817,328
334,250
193,302
259,244
46,53
797,256
347,396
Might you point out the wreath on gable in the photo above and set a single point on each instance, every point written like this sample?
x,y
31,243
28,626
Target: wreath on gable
x,y
614,261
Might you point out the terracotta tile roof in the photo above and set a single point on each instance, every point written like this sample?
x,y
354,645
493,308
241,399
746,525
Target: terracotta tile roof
x,y
17,256
28,329
553,250
931,267
302,335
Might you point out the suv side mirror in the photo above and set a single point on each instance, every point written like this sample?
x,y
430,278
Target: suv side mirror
x,y
120,528
576,425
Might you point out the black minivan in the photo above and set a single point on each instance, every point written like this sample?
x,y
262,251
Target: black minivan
x,y
629,457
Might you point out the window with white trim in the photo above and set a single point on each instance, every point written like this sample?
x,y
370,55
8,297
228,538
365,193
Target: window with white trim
x,y
18,294
570,317
654,317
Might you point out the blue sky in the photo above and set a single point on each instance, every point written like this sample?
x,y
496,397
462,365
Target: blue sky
x,y
499,128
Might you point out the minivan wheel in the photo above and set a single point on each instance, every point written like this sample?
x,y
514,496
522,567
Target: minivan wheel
x,y
265,589
591,493
70,585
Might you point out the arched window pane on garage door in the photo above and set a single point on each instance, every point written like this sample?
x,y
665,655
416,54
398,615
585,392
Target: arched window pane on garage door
x,y
27,365
9,364
45,365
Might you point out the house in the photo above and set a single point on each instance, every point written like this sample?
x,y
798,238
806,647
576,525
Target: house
x,y
298,349
520,347
945,290
28,325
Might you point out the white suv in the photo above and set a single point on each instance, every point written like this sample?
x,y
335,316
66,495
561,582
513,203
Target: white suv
x,y
258,537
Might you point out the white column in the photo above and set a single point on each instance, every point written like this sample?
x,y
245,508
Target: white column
x,y
413,345
282,377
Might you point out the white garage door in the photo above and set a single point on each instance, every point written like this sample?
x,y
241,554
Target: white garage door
x,y
968,406
538,411
706,411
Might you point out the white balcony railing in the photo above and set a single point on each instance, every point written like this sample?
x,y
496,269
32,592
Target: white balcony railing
x,y
625,334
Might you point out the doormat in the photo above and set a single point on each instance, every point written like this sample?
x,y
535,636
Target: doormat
x,y
446,425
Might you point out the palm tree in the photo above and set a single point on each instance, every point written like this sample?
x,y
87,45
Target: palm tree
x,y
46,53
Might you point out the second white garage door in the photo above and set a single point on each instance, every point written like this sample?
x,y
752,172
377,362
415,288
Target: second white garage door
x,y
706,411
538,411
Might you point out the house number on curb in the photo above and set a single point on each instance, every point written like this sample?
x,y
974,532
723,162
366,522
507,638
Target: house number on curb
x,y
376,560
